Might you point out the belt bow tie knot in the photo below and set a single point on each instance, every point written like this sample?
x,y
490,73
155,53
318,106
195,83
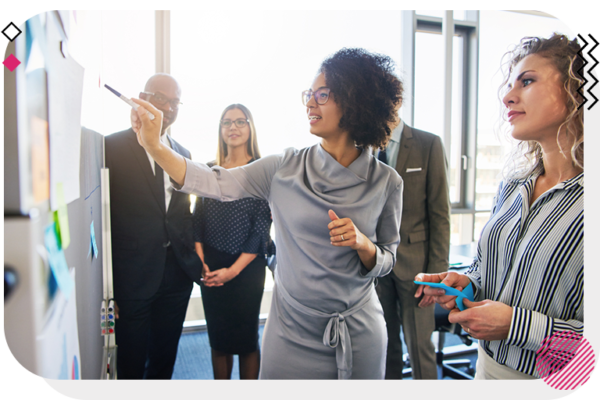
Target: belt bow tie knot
x,y
331,336
337,336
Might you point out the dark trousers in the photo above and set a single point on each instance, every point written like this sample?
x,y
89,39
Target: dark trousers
x,y
148,331
401,309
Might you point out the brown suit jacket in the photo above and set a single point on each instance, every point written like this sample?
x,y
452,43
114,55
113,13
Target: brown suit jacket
x,y
425,229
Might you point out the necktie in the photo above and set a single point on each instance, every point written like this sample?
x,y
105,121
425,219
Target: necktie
x,y
159,175
382,156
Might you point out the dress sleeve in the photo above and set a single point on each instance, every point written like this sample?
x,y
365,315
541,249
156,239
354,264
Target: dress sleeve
x,y
388,235
259,236
198,221
251,180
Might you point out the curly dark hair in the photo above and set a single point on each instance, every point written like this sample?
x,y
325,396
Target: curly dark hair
x,y
367,91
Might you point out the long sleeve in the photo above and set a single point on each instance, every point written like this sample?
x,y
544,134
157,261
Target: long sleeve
x,y
388,234
251,180
259,235
528,328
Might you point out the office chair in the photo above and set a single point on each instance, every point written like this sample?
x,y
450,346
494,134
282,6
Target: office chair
x,y
450,368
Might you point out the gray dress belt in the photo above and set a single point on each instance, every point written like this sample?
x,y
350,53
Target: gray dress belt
x,y
336,333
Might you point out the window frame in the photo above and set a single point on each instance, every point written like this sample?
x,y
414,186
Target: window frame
x,y
469,30
464,211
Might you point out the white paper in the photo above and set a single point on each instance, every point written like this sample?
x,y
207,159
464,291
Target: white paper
x,y
65,88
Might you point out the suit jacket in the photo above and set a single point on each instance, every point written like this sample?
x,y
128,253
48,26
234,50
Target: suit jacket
x,y
141,228
425,228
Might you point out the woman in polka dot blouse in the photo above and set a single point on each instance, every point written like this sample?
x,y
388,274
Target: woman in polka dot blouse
x,y
232,239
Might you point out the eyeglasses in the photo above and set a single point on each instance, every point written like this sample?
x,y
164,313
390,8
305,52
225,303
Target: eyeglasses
x,y
161,100
321,95
240,123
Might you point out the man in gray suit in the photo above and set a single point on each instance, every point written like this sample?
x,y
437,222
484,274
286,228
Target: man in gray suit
x,y
420,160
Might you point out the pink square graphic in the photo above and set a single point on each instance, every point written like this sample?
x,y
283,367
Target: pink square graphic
x,y
11,63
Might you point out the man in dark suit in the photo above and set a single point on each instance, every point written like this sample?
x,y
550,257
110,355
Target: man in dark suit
x,y
154,262
420,160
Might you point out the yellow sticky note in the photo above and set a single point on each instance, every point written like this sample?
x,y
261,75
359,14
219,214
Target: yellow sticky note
x,y
62,217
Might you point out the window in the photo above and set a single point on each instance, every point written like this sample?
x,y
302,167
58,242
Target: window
x,y
429,99
245,56
264,60
492,146
477,52
98,44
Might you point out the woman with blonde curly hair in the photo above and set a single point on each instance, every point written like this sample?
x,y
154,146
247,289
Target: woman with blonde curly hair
x,y
569,137
528,273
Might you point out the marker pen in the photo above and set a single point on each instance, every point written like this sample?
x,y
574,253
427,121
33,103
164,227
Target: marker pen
x,y
128,101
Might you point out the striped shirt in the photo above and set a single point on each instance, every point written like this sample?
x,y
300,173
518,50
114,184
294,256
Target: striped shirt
x,y
531,258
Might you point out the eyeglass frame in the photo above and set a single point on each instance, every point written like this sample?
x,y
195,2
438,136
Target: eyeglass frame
x,y
179,103
312,94
246,122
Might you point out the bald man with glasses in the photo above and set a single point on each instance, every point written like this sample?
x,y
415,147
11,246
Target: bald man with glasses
x,y
153,257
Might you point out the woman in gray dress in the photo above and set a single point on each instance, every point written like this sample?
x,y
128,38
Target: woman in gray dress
x,y
336,211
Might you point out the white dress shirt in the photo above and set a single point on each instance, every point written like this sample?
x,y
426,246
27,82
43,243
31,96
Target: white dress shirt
x,y
391,151
167,179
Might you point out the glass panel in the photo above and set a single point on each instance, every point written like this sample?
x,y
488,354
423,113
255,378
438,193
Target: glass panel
x,y
125,67
457,14
455,229
461,229
243,56
429,104
431,13
460,15
493,147
429,83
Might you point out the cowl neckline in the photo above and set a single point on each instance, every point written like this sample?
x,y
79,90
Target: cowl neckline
x,y
325,174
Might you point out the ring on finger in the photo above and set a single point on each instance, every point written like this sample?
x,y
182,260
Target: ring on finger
x,y
342,237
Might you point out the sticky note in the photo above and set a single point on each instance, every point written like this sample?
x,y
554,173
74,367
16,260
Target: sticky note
x,y
61,217
57,261
94,245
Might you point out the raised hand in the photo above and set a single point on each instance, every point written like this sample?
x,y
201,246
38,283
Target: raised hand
x,y
148,131
343,232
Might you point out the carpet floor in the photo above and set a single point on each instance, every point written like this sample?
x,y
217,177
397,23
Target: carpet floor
x,y
194,356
